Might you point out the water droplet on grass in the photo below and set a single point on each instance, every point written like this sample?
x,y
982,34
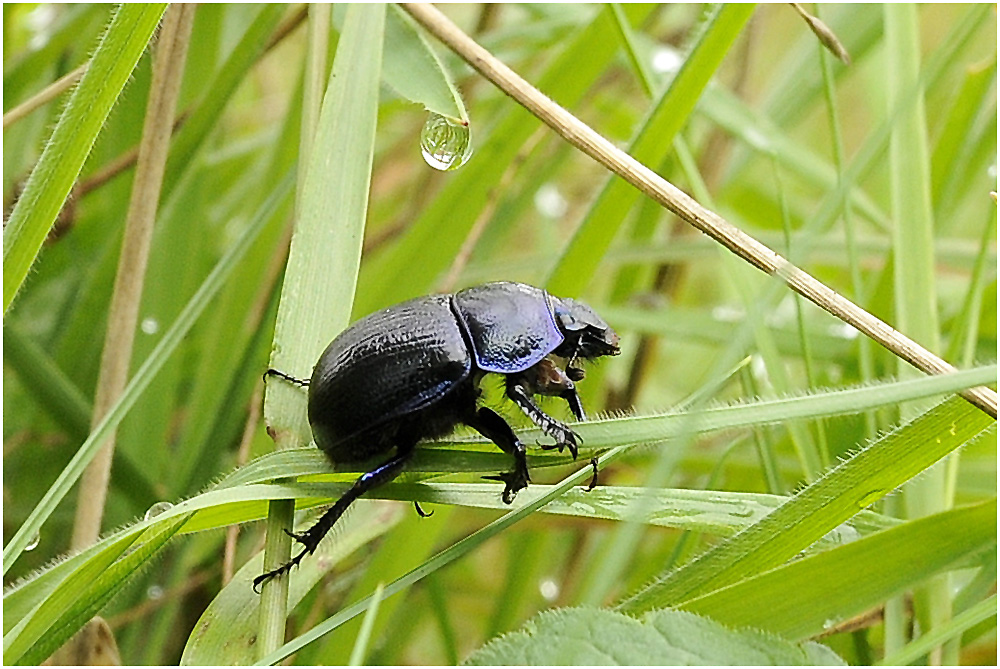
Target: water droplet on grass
x,y
157,509
445,143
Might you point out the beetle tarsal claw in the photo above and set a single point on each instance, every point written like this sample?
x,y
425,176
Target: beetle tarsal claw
x,y
303,538
565,438
283,569
513,482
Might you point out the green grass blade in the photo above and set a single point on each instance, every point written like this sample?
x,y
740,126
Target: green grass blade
x,y
579,261
142,378
857,483
364,635
226,632
319,284
81,596
322,269
412,68
810,596
445,557
971,617
74,135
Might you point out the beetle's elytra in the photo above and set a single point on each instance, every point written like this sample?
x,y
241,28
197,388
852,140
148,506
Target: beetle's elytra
x,y
412,372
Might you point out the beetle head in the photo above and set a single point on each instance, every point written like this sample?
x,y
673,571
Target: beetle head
x,y
587,335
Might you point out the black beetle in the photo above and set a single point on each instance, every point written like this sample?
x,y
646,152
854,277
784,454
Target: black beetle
x,y
412,372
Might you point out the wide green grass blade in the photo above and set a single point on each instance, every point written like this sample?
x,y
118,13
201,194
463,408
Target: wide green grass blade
x,y
445,557
810,596
914,294
226,632
865,478
114,59
412,68
322,270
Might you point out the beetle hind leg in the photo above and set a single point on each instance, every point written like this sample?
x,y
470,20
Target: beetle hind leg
x,y
310,538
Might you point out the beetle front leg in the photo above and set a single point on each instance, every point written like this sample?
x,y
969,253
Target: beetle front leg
x,y
575,405
492,426
564,436
547,378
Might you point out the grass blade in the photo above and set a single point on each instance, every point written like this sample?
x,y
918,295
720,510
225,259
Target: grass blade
x,y
74,135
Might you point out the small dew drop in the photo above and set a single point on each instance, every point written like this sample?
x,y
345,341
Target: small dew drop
x,y
445,143
150,325
549,589
33,542
154,593
829,624
550,202
727,314
844,331
741,511
157,509
40,22
666,60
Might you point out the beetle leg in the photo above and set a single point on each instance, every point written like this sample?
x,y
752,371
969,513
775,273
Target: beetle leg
x,y
302,383
311,537
564,436
593,481
492,426
546,378
575,405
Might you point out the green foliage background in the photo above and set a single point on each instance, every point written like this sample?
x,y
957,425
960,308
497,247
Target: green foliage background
x,y
874,177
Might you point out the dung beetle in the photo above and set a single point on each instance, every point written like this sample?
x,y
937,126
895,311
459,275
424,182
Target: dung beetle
x,y
412,372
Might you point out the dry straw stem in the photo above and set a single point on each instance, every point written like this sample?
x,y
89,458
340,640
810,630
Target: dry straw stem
x,y
47,94
585,138
168,67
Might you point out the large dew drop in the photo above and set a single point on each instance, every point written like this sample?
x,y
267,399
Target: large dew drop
x,y
446,143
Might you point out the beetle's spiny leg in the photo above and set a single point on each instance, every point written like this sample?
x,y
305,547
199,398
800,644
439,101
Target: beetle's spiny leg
x,y
564,436
302,383
310,538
